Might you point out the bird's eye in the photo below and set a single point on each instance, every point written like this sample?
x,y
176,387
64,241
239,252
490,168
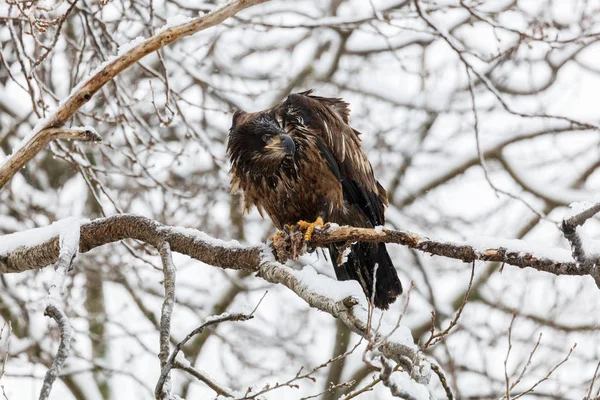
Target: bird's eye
x,y
265,138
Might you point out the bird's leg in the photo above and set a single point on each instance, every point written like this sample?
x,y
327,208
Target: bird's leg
x,y
309,227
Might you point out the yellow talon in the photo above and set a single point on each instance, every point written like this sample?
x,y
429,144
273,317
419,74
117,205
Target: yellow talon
x,y
275,238
310,227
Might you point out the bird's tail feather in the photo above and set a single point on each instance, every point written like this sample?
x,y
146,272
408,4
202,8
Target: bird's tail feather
x,y
360,266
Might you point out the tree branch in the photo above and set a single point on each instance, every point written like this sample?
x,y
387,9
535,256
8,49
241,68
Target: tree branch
x,y
171,361
233,255
44,132
69,241
577,217
166,313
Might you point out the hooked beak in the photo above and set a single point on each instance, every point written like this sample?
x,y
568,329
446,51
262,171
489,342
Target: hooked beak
x,y
282,143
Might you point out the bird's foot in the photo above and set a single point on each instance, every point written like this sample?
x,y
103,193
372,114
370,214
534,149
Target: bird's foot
x,y
289,243
292,241
309,227
277,237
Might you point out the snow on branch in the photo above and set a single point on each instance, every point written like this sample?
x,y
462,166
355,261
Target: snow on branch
x,y
340,299
69,244
232,255
50,128
578,214
324,294
166,313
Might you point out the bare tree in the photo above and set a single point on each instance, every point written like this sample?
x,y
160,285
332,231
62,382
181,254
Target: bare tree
x,y
478,117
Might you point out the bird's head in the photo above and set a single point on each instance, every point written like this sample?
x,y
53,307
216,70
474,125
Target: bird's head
x,y
257,142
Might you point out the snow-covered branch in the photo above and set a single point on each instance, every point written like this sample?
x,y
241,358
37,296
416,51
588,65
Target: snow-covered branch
x,y
42,248
166,313
579,213
69,243
343,302
48,129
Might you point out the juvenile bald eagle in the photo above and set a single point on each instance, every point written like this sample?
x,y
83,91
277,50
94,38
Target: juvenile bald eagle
x,y
301,161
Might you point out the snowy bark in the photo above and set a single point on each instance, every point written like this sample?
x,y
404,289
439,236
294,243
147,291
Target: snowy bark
x,y
232,255
69,242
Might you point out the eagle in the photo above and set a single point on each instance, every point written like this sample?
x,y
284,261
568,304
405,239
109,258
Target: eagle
x,y
301,161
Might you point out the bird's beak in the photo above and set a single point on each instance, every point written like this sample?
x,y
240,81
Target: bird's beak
x,y
282,143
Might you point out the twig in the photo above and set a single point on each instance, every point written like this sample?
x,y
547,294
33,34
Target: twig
x,y
386,374
332,388
64,348
481,154
308,375
506,377
527,364
365,389
5,358
451,41
203,377
437,337
85,134
171,360
589,394
443,380
545,378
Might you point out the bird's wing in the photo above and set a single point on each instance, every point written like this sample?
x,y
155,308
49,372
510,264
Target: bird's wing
x,y
339,144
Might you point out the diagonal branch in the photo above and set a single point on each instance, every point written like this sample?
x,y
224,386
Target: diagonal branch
x,y
172,361
579,214
43,132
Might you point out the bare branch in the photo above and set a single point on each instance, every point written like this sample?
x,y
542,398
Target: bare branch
x,y
436,337
256,259
386,377
351,313
443,380
203,377
171,360
85,134
5,358
42,134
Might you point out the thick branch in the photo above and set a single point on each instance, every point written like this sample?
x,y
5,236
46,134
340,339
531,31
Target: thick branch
x,y
44,133
232,255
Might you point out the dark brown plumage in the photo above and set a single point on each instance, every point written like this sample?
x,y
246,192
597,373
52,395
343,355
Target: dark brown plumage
x,y
301,160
